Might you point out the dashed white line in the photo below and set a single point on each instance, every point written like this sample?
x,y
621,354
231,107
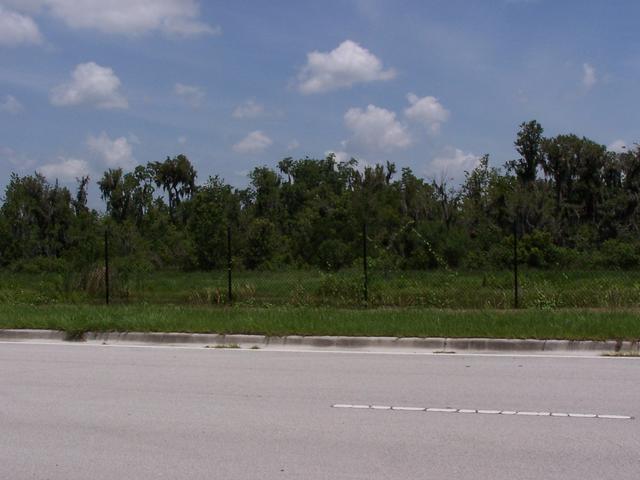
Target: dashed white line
x,y
442,410
483,412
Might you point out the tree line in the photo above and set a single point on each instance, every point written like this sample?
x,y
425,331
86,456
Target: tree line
x,y
572,203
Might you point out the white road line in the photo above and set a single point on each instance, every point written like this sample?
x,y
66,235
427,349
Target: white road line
x,y
483,412
268,349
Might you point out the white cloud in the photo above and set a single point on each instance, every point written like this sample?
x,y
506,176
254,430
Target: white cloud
x,y
193,95
116,153
428,111
17,29
589,76
255,142
293,145
343,67
452,162
618,146
10,104
376,128
128,17
66,169
18,161
248,109
342,156
90,84
339,155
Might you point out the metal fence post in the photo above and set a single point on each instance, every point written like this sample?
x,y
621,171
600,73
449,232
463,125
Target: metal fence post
x,y
106,265
229,266
365,263
515,264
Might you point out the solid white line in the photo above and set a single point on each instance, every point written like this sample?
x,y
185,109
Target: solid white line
x,y
481,412
267,349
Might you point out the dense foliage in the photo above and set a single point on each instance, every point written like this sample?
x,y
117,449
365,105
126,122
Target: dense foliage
x,y
574,202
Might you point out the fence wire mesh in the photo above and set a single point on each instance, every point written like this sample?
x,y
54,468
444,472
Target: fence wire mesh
x,y
402,270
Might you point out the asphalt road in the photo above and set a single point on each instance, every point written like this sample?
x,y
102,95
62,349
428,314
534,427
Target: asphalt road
x,y
87,412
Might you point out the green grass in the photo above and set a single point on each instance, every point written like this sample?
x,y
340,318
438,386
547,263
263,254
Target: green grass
x,y
406,322
539,289
594,305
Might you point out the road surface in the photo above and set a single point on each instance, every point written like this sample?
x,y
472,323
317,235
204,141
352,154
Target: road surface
x,y
89,412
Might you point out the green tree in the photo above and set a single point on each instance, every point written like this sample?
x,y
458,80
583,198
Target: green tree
x,y
529,145
177,177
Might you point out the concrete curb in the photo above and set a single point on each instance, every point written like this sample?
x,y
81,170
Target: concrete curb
x,y
364,344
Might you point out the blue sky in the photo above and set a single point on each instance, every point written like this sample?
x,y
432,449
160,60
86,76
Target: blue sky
x,y
90,84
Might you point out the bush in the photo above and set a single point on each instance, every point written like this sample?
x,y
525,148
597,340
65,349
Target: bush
x,y
40,265
333,255
501,254
538,250
261,245
619,254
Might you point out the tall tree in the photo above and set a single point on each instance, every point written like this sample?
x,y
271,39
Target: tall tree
x,y
177,177
529,145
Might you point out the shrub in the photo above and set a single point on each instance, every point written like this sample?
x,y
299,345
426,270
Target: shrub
x,y
619,254
537,249
40,265
333,254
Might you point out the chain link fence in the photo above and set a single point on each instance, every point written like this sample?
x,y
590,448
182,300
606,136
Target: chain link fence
x,y
380,276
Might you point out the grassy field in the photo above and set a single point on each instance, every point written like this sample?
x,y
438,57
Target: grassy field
x,y
429,289
563,305
406,322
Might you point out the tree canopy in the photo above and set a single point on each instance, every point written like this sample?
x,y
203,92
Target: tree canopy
x,y
570,196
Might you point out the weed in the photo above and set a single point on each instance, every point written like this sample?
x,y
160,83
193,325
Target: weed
x,y
74,335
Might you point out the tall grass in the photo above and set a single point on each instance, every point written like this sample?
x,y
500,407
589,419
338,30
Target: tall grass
x,y
539,289
280,321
